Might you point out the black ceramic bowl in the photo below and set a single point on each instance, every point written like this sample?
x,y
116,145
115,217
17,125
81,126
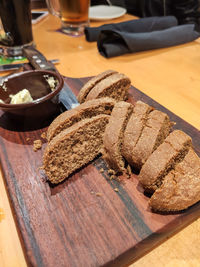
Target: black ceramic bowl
x,y
45,101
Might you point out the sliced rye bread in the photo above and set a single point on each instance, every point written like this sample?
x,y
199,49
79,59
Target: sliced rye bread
x,y
115,86
156,129
134,129
163,159
88,109
180,188
74,147
113,136
91,83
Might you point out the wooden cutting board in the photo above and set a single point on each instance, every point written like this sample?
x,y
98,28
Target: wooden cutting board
x,y
88,220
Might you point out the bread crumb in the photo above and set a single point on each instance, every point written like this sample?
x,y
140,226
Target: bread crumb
x,y
101,170
28,138
116,189
110,171
98,194
112,177
37,144
118,179
92,192
44,135
128,171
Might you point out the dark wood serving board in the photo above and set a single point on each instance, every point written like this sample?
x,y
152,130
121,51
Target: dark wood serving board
x,y
85,221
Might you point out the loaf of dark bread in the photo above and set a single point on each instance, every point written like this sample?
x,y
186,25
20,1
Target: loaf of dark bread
x,y
170,169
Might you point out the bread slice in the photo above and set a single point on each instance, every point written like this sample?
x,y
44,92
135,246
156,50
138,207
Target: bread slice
x,y
134,129
164,159
115,86
181,187
91,83
86,110
74,147
156,129
113,135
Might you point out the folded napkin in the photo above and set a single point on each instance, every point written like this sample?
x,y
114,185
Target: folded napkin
x,y
140,35
133,26
115,43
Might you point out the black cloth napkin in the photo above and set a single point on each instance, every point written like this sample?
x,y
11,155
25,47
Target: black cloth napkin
x,y
115,43
135,26
140,35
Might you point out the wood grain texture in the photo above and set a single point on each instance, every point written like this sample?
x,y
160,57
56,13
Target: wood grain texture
x,y
70,224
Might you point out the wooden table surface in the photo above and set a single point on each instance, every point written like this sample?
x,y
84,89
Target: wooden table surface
x,y
170,76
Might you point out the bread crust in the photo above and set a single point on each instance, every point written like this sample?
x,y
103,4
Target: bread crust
x,y
91,83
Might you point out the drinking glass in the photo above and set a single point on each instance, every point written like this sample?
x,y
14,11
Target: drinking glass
x,y
16,27
73,14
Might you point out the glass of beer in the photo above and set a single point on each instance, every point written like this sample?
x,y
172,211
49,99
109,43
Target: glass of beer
x,y
16,27
73,14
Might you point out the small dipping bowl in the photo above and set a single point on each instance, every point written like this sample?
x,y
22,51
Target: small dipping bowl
x,y
45,100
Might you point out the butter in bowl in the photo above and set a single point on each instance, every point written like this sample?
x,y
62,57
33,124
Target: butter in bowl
x,y
31,94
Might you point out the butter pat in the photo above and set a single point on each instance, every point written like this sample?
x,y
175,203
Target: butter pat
x,y
22,96
51,81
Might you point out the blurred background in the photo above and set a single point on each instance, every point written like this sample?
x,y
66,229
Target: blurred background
x,y
38,4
